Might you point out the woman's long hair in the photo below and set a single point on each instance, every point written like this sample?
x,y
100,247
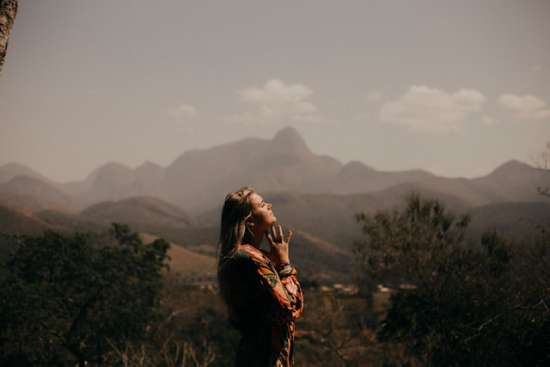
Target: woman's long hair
x,y
237,208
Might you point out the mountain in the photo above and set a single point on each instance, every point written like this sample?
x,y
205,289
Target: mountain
x,y
318,259
187,262
148,176
12,170
20,222
518,221
356,177
34,193
332,216
69,222
16,222
461,188
112,181
314,258
115,181
138,210
288,141
514,180
199,179
22,202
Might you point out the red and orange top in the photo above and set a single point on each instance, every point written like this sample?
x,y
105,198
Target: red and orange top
x,y
264,301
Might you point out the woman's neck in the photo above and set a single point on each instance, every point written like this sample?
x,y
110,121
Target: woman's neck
x,y
258,236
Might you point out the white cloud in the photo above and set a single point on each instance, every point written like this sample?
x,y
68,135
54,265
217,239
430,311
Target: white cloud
x,y
183,111
432,110
527,107
277,102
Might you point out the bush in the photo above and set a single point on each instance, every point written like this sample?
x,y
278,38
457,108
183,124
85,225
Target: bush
x,y
69,300
456,303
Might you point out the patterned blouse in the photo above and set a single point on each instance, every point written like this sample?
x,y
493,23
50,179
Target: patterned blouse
x,y
263,303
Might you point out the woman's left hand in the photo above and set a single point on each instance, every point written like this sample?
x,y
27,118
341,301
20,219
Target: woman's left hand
x,y
278,253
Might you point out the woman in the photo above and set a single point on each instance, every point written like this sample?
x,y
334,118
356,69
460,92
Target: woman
x,y
260,288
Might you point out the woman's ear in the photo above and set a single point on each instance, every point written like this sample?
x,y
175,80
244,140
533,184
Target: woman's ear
x,y
250,223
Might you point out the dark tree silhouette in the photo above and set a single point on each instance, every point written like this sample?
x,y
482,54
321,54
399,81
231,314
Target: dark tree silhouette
x,y
68,300
8,11
543,162
456,303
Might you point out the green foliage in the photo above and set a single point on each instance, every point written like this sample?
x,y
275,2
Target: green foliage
x,y
453,303
68,299
410,246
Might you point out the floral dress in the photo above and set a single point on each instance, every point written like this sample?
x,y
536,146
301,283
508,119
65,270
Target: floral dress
x,y
263,303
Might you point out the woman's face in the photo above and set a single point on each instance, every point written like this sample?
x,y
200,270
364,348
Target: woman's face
x,y
261,212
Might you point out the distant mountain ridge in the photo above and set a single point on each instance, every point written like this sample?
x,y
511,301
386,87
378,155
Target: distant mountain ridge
x,y
138,210
10,170
32,192
199,179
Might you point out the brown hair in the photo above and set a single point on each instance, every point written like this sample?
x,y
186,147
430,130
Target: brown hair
x,y
237,208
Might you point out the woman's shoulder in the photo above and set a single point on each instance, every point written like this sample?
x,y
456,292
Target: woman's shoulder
x,y
247,251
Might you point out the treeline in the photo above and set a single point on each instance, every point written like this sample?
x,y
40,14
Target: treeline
x,y
105,299
428,297
456,303
74,300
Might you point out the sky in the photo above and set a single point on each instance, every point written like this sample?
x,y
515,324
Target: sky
x,y
453,87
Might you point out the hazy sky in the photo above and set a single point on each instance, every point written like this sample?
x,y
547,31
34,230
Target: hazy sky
x,y
454,87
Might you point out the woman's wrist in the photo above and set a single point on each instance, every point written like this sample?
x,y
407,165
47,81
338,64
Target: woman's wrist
x,y
282,264
285,271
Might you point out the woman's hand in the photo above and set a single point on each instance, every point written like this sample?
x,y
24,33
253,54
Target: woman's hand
x,y
279,245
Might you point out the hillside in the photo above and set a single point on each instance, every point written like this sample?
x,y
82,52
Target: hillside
x,y
518,221
13,222
69,222
34,193
332,216
138,210
17,222
11,170
186,262
514,181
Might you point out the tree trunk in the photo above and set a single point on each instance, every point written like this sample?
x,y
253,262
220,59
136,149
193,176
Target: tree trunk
x,y
8,10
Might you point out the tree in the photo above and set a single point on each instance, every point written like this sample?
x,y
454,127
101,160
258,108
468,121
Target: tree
x,y
456,303
542,161
8,11
68,300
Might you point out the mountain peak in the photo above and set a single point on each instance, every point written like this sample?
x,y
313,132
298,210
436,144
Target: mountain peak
x,y
513,166
13,169
109,168
115,166
148,165
23,179
511,170
14,166
289,140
